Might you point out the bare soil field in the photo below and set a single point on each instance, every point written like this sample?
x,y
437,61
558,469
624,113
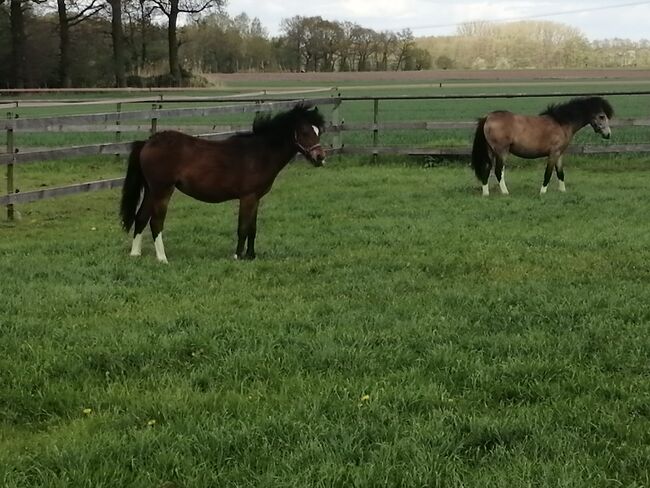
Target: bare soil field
x,y
435,76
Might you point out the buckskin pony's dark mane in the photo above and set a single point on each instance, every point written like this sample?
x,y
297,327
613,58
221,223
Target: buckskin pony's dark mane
x,y
578,110
282,125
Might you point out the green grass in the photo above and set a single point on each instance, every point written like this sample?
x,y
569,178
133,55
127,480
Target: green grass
x,y
396,330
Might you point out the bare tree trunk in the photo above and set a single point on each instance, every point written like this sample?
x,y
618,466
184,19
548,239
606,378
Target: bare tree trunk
x,y
64,45
174,65
143,32
17,44
118,42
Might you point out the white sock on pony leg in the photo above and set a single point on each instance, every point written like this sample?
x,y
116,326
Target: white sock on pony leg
x,y
542,191
486,190
562,186
136,247
160,248
502,183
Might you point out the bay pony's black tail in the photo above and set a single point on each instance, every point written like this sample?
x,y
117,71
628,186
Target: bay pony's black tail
x,y
480,158
133,186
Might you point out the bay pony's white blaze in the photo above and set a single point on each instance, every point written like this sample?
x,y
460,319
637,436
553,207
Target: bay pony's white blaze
x,y
502,183
562,186
486,190
136,247
160,248
315,129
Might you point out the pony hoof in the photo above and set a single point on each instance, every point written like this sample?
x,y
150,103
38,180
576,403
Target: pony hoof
x,y
135,254
235,257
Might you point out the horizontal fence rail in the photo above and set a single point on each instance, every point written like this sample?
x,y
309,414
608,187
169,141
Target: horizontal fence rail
x,y
466,151
32,196
476,96
88,150
41,194
113,122
40,123
358,126
161,97
111,128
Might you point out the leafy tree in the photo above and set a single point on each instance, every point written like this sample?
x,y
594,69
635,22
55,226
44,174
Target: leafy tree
x,y
71,13
117,35
172,9
363,46
405,42
294,42
387,44
444,62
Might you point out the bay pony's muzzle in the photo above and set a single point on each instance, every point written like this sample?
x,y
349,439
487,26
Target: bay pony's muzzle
x,y
315,153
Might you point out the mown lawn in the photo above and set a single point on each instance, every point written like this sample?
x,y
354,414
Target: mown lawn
x,y
396,330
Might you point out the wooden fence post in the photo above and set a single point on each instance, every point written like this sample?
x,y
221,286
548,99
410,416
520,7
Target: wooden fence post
x,y
118,132
11,149
337,139
154,119
375,130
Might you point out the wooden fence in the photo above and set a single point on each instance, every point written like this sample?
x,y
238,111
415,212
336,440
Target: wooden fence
x,y
114,122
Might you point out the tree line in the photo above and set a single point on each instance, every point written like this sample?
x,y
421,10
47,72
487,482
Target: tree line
x,y
68,43
531,44
64,43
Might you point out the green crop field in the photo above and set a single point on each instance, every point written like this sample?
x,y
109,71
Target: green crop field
x,y
396,329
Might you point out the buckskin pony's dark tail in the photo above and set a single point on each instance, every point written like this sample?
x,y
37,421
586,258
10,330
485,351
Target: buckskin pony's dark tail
x,y
133,186
480,157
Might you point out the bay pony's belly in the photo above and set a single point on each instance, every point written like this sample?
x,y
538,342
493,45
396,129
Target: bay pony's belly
x,y
209,186
528,152
525,136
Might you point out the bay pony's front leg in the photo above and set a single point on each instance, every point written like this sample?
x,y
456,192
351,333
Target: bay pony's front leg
x,y
252,232
246,227
550,166
500,173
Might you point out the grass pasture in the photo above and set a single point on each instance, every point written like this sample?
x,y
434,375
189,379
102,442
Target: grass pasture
x,y
395,330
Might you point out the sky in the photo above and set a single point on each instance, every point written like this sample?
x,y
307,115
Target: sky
x,y
431,17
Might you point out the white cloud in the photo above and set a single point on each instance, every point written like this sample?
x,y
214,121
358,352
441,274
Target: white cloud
x,y
380,8
429,17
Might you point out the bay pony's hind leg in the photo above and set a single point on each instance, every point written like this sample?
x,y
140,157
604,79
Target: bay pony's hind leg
x,y
550,166
252,232
246,226
159,204
141,221
485,177
559,170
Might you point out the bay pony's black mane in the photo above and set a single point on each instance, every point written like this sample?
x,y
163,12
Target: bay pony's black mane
x,y
579,110
283,125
